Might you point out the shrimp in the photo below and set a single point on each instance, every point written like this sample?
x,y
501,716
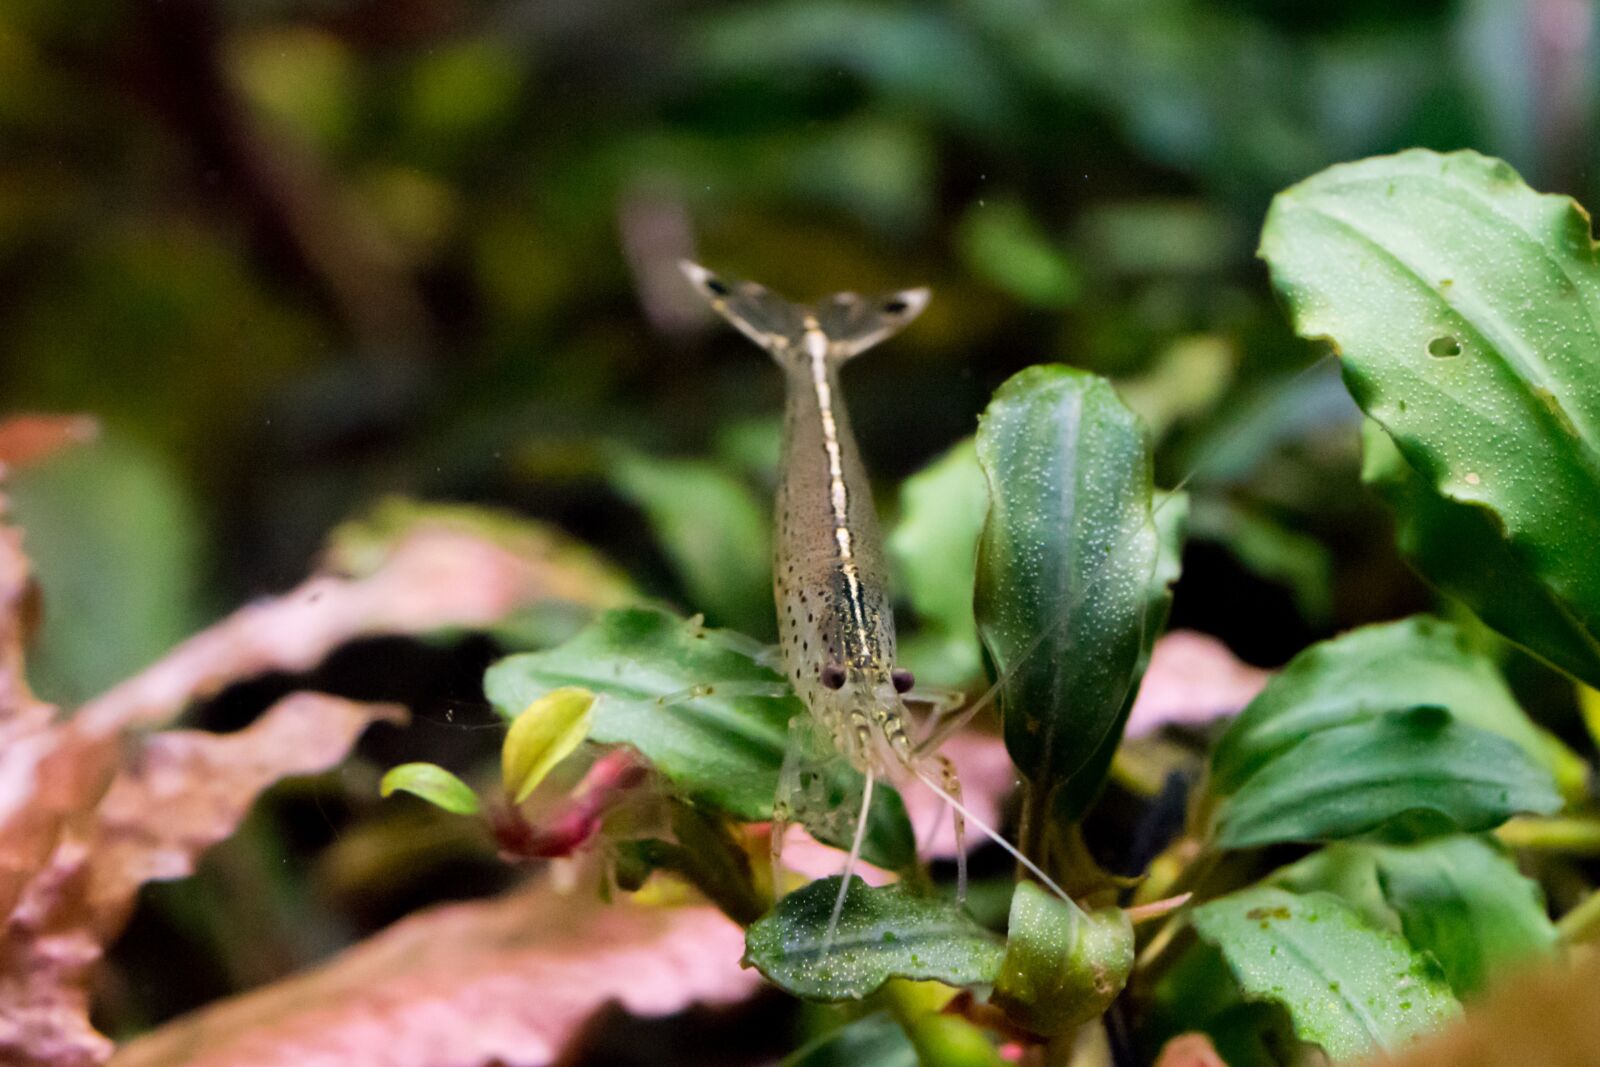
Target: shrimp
x,y
830,580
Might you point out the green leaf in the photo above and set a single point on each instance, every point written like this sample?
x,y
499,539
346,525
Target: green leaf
x,y
935,550
713,528
682,696
1347,986
1420,766
432,783
1066,570
1463,900
1372,671
541,736
1062,966
883,933
1461,551
1465,306
1005,246
120,590
1460,898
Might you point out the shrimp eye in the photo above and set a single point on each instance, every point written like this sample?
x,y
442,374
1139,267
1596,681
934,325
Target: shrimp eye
x,y
903,680
895,306
833,675
717,286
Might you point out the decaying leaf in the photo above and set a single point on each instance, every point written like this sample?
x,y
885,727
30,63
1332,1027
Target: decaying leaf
x,y
175,795
506,982
26,439
1192,680
427,572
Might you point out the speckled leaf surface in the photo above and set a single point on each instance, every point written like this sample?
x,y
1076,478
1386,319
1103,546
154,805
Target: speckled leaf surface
x,y
883,933
1066,568
1347,986
1466,310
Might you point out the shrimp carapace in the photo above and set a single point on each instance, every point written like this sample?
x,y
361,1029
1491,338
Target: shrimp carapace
x,y
830,581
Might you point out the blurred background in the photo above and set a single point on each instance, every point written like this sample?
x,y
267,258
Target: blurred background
x,y
298,255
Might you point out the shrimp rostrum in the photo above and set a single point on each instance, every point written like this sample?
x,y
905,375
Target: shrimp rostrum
x,y
830,580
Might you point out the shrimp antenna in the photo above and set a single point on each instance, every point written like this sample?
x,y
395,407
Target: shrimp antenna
x,y
850,863
991,833
1072,600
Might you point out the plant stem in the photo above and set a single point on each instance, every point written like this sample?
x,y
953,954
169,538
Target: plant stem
x,y
1582,923
940,1040
1574,836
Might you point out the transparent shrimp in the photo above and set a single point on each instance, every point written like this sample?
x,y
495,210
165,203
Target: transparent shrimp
x,y
830,579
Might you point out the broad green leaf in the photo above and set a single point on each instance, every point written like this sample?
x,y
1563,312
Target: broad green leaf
x,y
1460,898
432,783
698,706
883,933
1420,767
1464,307
1463,900
1349,987
1066,567
1063,966
935,550
541,736
714,529
1371,671
1462,552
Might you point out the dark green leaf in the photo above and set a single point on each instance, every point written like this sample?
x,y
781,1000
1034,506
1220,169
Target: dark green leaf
x,y
432,783
1464,307
1066,569
1461,550
1062,966
1347,986
713,528
681,695
1420,766
883,933
1372,671
935,550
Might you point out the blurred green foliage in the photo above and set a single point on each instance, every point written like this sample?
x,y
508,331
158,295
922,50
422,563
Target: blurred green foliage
x,y
299,255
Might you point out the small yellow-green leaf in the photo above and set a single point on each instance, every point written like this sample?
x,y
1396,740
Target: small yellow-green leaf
x,y
543,735
432,783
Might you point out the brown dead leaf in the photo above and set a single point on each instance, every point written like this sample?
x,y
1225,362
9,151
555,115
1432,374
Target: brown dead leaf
x,y
505,982
1193,679
96,834
436,572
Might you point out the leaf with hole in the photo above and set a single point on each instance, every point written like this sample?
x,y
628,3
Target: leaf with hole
x,y
883,933
1466,310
